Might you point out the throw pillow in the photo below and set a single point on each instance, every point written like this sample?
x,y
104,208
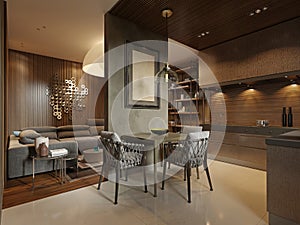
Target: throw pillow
x,y
29,134
16,133
25,140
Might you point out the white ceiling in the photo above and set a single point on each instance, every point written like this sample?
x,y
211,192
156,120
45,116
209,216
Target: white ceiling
x,y
64,29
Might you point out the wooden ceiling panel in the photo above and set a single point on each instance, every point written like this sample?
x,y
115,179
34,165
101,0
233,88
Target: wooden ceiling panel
x,y
224,19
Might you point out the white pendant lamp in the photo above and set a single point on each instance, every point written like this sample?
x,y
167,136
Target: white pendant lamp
x,y
93,63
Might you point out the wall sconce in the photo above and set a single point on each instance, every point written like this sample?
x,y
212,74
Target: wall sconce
x,y
93,62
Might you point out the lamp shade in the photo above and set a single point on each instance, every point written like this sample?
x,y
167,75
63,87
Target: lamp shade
x,y
167,74
93,62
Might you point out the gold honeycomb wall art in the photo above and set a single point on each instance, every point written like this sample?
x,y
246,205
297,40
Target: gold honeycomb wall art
x,y
65,96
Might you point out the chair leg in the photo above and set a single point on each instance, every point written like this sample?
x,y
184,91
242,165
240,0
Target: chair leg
x,y
164,175
117,184
126,174
145,179
188,174
184,174
208,177
100,178
197,171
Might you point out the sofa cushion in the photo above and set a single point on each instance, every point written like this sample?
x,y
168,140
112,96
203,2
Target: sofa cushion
x,y
42,129
95,130
95,122
77,133
73,127
45,131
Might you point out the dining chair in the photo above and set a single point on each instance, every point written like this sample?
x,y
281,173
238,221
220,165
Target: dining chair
x,y
119,155
189,153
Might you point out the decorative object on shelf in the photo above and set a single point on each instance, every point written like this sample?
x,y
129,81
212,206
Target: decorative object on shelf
x,y
290,118
167,73
65,96
262,123
284,117
93,62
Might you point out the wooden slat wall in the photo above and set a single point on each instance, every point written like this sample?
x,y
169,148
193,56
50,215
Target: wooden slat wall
x,y
28,77
245,106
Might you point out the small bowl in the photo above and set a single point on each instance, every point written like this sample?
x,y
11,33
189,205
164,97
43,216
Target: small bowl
x,y
159,131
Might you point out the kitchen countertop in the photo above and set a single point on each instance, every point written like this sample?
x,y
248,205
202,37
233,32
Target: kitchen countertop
x,y
268,131
289,139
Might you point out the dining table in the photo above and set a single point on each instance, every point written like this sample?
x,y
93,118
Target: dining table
x,y
155,144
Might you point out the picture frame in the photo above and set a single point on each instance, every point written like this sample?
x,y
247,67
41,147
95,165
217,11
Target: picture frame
x,y
141,66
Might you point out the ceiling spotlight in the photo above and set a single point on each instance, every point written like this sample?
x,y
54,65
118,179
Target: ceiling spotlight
x,y
265,8
257,11
203,34
286,76
251,14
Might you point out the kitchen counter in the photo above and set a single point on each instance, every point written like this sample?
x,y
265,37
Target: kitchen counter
x,y
269,130
289,139
283,178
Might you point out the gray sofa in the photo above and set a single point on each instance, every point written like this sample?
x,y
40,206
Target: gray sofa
x,y
75,138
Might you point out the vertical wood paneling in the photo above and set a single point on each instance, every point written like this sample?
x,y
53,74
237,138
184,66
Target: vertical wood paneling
x,y
28,77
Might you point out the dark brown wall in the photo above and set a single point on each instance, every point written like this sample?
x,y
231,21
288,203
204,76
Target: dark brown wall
x,y
28,77
269,51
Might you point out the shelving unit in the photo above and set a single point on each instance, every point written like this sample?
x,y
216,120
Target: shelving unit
x,y
186,100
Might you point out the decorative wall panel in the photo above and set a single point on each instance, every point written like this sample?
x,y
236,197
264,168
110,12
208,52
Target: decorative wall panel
x,y
29,75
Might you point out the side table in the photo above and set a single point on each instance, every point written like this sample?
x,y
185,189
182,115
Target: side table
x,y
58,162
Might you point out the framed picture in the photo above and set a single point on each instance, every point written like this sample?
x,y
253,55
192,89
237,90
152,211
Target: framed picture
x,y
141,90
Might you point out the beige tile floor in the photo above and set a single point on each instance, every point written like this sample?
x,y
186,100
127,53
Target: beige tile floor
x,y
239,198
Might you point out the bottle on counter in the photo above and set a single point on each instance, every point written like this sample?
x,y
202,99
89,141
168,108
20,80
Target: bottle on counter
x,y
284,117
290,117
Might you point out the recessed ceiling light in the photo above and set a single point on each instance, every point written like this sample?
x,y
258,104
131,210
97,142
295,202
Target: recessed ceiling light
x,y
258,11
38,29
203,34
